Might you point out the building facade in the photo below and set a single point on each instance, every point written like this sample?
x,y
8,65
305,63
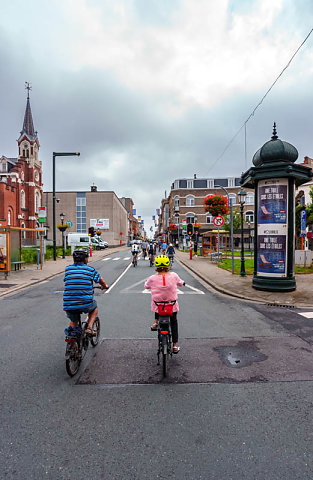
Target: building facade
x,y
21,181
185,202
85,209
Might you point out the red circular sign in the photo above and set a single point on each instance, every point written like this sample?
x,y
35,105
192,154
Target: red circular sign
x,y
218,221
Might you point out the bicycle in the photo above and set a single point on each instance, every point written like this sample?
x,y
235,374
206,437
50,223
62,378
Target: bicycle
x,y
171,260
151,258
77,347
165,344
135,260
144,253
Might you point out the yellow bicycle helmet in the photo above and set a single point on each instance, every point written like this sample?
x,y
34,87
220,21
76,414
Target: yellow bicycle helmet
x,y
161,261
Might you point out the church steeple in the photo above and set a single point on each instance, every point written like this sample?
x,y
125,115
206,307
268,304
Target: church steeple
x,y
28,124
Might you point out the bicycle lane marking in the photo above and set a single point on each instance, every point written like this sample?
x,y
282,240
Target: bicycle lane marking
x,y
119,278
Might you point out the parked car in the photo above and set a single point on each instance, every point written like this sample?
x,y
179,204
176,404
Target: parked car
x,y
98,243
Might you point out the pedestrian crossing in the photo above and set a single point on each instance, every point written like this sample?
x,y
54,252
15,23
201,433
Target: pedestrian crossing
x,y
114,259
306,314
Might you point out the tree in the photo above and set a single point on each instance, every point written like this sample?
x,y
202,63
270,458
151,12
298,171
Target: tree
x,y
236,221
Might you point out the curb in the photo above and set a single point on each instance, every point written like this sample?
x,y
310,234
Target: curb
x,y
235,295
30,284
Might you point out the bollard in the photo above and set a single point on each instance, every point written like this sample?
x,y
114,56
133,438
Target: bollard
x,y
190,252
90,251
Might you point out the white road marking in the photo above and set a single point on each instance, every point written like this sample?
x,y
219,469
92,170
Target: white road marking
x,y
117,258
105,259
200,292
306,314
118,279
126,258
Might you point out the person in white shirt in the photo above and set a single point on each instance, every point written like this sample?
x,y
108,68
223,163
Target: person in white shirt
x,y
135,249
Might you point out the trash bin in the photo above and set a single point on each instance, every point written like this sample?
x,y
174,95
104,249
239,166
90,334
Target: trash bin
x,y
38,256
200,249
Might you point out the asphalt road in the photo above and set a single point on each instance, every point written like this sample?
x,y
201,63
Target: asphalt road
x,y
237,405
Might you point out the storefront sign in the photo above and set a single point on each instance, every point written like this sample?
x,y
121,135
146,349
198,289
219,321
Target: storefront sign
x,y
100,223
272,227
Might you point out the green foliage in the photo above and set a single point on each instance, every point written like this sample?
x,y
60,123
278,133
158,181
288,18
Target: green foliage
x,y
29,254
236,221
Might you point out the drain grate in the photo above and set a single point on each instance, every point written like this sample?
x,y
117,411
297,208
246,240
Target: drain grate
x,y
280,305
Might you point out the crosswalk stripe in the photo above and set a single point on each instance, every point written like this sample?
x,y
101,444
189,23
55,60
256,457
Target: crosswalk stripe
x,y
126,258
306,314
114,259
105,259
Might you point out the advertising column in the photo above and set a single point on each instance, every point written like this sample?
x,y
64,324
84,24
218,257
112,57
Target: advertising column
x,y
272,230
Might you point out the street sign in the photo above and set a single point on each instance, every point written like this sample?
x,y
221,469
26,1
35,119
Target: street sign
x,y
218,221
303,223
42,212
70,224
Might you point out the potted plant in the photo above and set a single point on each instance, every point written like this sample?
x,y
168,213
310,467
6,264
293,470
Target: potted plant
x,y
216,205
62,227
172,227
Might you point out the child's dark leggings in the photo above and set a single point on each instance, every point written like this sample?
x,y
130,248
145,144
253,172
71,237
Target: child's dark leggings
x,y
174,326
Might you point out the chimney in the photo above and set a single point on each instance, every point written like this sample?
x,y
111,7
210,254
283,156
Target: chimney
x,y
93,188
195,176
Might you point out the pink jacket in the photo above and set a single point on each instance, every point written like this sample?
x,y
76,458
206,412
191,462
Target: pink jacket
x,y
164,288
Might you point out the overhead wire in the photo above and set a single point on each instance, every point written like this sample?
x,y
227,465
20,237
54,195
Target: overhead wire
x,y
244,125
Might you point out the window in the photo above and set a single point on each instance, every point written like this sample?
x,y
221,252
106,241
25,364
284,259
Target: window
x,y
9,217
37,201
177,219
22,176
209,219
23,231
176,203
231,182
249,199
176,184
190,201
189,183
210,183
22,199
81,212
3,167
232,198
249,217
190,217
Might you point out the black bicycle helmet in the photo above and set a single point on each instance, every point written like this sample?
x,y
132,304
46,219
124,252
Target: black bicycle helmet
x,y
80,255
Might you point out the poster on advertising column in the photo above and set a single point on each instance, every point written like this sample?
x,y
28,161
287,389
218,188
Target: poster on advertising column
x,y
272,227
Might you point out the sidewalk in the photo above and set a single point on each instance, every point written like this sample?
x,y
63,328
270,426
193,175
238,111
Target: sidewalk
x,y
30,274
241,287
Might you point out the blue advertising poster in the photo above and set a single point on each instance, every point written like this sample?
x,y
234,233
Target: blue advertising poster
x,y
272,202
303,223
272,253
272,227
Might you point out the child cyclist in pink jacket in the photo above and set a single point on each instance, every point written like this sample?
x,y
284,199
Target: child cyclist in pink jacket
x,y
163,288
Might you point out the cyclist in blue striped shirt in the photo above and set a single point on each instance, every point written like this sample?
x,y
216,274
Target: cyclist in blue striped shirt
x,y
78,292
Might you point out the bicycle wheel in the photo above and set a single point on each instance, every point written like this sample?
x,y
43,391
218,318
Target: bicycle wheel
x,y
73,358
164,355
96,328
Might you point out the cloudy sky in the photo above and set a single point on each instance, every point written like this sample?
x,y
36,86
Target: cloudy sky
x,y
153,90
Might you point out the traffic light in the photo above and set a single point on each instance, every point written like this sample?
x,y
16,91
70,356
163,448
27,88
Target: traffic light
x,y
189,229
91,231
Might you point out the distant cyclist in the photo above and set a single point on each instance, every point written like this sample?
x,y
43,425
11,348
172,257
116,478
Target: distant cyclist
x,y
163,248
151,251
144,247
78,293
170,252
135,249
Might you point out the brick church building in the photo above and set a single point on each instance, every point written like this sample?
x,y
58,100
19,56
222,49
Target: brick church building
x,y
21,179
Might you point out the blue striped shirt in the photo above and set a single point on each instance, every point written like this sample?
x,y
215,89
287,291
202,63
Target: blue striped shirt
x,y
78,291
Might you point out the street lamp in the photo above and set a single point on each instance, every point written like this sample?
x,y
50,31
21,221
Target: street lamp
x,y
231,228
242,199
57,154
62,216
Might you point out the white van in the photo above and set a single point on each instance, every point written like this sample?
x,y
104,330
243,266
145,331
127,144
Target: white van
x,y
78,240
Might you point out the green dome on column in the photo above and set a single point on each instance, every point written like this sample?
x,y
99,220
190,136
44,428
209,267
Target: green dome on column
x,y
275,150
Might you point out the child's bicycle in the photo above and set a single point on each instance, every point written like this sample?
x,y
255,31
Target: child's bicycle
x,y
77,346
165,344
